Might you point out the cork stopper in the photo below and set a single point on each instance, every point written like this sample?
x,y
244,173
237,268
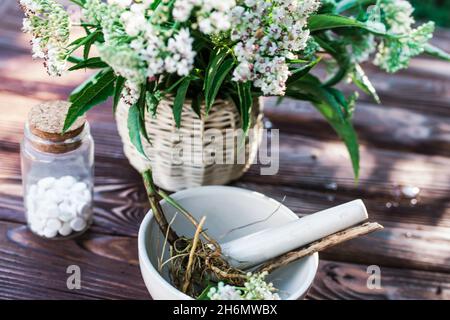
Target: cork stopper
x,y
46,121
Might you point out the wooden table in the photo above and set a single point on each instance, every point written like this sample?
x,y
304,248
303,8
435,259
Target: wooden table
x,y
405,142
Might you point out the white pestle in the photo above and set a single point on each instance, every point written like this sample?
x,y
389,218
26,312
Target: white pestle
x,y
266,244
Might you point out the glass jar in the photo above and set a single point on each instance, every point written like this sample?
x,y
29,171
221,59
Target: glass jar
x,y
57,174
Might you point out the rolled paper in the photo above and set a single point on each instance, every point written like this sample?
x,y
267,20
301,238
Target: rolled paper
x,y
256,248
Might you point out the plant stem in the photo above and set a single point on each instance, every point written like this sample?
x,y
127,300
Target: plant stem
x,y
157,211
188,273
320,245
188,216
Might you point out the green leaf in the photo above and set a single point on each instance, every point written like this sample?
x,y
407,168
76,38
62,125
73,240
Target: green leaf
x,y
339,53
134,128
331,105
87,46
73,59
216,60
216,82
244,90
118,88
179,100
345,131
437,52
301,72
79,2
152,100
325,44
142,112
321,22
86,84
91,63
94,91
155,4
362,81
90,38
204,294
196,104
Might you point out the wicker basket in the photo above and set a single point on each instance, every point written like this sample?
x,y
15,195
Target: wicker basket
x,y
174,170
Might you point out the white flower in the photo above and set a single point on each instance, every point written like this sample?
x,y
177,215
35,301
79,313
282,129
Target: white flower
x,y
134,22
220,21
398,15
131,92
212,16
224,292
181,59
56,64
269,33
182,10
36,49
27,26
32,6
49,24
255,288
205,26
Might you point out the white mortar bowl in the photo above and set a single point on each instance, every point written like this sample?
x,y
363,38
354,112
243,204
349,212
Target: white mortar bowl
x,y
225,208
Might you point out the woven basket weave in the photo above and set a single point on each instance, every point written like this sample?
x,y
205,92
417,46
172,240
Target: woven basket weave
x,y
195,169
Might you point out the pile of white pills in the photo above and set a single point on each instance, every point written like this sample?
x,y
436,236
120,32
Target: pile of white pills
x,y
58,206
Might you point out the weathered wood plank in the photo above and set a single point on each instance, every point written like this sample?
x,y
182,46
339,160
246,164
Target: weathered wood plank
x,y
389,212
32,268
380,126
408,91
349,281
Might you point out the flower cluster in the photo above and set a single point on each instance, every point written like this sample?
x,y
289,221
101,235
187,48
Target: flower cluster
x,y
49,24
211,16
255,288
268,34
137,44
395,53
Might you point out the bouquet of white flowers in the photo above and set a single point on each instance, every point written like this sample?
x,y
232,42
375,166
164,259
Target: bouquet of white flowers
x,y
237,49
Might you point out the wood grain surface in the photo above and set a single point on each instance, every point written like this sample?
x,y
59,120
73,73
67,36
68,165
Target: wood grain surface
x,y
405,142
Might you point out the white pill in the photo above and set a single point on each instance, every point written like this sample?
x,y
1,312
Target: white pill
x,y
40,193
46,183
65,216
53,224
69,206
76,200
53,195
50,233
37,225
65,182
83,209
79,187
65,229
47,209
87,196
78,224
